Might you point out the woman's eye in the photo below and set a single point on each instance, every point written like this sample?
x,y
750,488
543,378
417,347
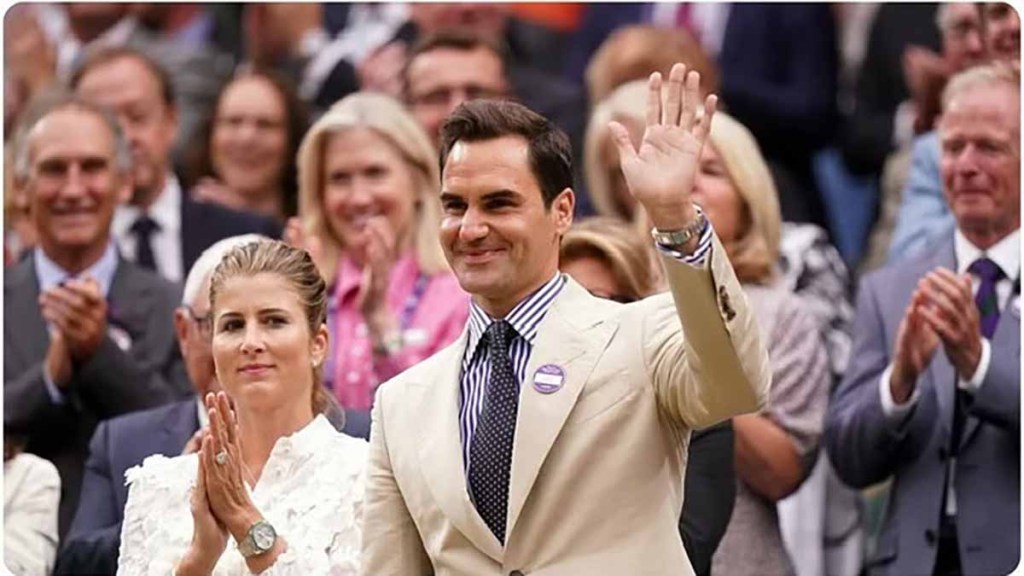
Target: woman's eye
x,y
231,325
276,321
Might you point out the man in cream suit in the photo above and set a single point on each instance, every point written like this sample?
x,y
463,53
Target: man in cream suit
x,y
551,438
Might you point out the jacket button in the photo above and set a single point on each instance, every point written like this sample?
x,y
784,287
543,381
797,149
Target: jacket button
x,y
929,536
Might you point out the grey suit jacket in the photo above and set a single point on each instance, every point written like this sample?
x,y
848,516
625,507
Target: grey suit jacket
x,y
112,382
866,447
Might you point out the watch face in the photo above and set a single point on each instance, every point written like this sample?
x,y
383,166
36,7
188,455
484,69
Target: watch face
x,y
263,535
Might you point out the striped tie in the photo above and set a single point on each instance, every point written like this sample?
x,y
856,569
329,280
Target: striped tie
x,y
986,300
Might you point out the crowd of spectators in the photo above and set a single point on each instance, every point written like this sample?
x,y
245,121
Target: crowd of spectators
x,y
863,175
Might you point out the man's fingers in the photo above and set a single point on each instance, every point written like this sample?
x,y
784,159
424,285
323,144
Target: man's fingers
x,y
654,99
622,141
691,99
700,132
674,98
945,330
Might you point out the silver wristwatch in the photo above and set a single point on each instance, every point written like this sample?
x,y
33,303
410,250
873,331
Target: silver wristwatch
x,y
258,540
678,238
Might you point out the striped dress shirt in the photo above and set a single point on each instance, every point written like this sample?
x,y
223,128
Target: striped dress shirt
x,y
525,319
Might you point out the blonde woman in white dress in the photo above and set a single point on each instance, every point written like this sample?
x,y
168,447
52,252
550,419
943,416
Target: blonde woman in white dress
x,y
274,489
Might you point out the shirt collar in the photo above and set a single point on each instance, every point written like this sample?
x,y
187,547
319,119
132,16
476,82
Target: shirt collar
x,y
525,317
50,274
1005,253
165,211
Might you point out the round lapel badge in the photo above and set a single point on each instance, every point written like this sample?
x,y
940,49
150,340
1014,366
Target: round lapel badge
x,y
548,379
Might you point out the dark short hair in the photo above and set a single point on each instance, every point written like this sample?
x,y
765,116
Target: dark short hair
x,y
550,154
453,39
102,55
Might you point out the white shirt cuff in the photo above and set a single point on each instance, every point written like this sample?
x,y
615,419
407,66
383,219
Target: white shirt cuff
x,y
699,257
892,410
974,384
56,396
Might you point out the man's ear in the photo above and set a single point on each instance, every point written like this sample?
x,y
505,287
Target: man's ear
x,y
563,207
181,322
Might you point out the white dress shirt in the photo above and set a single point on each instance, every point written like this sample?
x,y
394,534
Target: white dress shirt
x,y
166,241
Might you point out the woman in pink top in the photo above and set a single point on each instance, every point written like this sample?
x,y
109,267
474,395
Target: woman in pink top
x,y
369,211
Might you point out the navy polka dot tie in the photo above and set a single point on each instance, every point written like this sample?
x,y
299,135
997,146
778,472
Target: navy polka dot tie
x,y
490,452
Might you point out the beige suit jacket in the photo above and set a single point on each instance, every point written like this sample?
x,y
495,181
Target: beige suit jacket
x,y
597,467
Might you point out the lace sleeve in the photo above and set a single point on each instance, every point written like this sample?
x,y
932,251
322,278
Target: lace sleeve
x,y
329,539
157,522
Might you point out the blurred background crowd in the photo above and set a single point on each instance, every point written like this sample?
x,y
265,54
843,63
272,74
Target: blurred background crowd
x,y
318,124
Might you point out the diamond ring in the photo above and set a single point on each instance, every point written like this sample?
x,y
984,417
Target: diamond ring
x,y
221,457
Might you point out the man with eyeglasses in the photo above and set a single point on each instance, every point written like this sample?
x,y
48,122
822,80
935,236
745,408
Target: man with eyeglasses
x,y
451,66
120,443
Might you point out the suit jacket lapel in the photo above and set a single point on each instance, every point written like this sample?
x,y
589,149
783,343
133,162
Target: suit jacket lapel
x,y
441,451
566,339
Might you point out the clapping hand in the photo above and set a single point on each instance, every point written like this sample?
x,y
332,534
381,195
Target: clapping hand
x,y
916,343
78,310
225,469
378,252
660,173
296,235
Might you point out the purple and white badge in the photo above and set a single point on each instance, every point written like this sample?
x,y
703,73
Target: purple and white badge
x,y
548,379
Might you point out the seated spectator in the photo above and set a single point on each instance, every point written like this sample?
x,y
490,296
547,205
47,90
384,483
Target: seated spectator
x,y
945,423
610,260
87,335
272,476
31,497
92,543
923,213
633,52
245,157
370,213
19,235
161,228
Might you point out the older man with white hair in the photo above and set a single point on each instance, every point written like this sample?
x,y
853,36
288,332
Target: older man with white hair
x,y
932,394
120,443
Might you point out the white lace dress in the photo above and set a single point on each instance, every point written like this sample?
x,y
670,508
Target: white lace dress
x,y
311,490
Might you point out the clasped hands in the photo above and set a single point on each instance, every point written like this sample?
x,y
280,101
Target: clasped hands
x,y
76,311
660,173
941,310
220,502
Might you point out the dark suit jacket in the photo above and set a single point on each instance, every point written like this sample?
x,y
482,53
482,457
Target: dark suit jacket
x,y
91,546
710,494
866,447
112,382
205,223
880,86
779,70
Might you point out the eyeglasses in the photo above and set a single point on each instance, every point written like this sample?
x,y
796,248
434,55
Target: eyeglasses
x,y
203,323
442,96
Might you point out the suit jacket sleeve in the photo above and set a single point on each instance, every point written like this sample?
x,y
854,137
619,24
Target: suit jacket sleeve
x,y
30,518
998,399
716,366
923,210
92,542
865,445
710,494
391,542
28,407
